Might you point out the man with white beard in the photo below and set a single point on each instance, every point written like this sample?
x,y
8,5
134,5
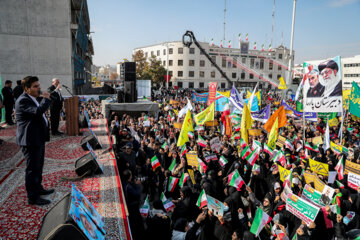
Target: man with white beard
x,y
331,78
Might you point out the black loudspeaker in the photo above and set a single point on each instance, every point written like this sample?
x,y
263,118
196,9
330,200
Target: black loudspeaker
x,y
92,141
130,92
58,225
128,71
82,121
87,164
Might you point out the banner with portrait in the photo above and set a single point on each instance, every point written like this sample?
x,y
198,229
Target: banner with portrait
x,y
323,86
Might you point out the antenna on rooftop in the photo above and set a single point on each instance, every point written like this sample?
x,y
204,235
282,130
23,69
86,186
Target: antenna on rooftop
x,y
273,23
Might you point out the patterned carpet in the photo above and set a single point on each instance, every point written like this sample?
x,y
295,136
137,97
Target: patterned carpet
x,y
19,220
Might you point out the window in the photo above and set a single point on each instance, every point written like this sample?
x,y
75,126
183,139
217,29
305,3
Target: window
x,y
202,63
252,62
158,53
223,63
261,63
191,74
170,62
170,73
270,66
279,68
146,55
202,74
233,75
180,84
201,53
180,50
164,52
212,74
251,76
152,53
229,64
192,50
180,62
280,56
243,60
191,63
242,75
222,85
270,76
164,63
201,85
214,60
170,84
180,73
191,84
171,51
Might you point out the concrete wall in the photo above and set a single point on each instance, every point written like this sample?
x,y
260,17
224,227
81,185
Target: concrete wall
x,y
35,39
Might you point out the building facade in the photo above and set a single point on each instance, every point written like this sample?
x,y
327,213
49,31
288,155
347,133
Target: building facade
x,y
46,38
189,68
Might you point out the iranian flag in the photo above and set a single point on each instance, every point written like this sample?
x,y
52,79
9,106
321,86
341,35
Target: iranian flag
x,y
340,168
236,136
339,184
245,152
172,166
223,161
239,36
183,180
201,141
202,200
155,163
183,150
172,183
289,145
230,44
270,48
167,203
144,209
164,145
235,180
280,158
221,44
210,157
251,159
190,134
212,42
309,147
260,220
267,149
243,144
256,144
247,37
262,48
202,166
254,45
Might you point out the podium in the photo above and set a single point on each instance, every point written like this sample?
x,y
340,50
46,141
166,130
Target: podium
x,y
72,116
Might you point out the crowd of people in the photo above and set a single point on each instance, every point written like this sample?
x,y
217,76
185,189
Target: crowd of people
x,y
142,140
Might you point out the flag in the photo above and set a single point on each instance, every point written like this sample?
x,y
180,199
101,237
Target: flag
x,y
273,135
246,123
144,209
184,110
221,44
282,84
155,163
172,183
262,47
212,42
202,166
206,115
223,161
239,37
254,45
289,145
337,149
201,141
230,44
237,127
335,209
172,166
260,220
236,136
267,149
183,150
327,144
280,113
270,48
279,157
210,157
190,134
202,200
309,147
186,127
245,152
242,143
256,144
235,180
183,180
252,96
354,104
340,168
254,155
247,37
167,203
339,184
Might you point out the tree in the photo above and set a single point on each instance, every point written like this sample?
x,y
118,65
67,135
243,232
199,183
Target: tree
x,y
140,60
154,70
113,76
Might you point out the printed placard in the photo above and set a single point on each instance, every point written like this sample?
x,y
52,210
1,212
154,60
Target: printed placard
x,y
301,208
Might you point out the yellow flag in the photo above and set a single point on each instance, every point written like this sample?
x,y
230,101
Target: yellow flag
x,y
248,94
176,111
282,84
246,122
283,172
226,94
336,148
319,167
273,134
333,122
206,115
186,127
257,94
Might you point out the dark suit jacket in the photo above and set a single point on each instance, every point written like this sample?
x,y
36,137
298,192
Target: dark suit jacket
x,y
57,100
8,96
31,126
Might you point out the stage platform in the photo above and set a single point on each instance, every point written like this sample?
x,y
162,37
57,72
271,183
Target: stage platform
x,y
19,220
134,109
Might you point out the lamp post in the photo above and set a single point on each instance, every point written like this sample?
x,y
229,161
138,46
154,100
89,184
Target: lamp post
x,y
291,44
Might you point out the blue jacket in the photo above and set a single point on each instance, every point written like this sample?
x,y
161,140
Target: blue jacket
x,y
31,126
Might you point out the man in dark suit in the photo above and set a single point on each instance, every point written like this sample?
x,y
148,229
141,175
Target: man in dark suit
x,y
8,101
56,106
32,133
18,90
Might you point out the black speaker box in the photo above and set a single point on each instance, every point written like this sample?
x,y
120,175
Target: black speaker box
x,y
130,92
87,164
82,121
58,225
93,142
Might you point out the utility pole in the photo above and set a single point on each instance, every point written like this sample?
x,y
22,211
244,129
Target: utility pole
x,y
224,19
291,45
273,22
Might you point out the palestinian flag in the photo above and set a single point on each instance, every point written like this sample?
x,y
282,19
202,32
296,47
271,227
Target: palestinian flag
x,y
243,144
210,157
202,166
339,184
260,220
201,141
309,147
202,200
167,203
251,159
172,183
172,166
236,136
245,152
237,127
223,161
235,180
267,149
144,209
190,134
164,145
289,145
183,180
280,158
183,150
340,168
155,163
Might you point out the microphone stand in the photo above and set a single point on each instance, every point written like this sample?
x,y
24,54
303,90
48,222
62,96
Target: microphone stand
x,y
67,89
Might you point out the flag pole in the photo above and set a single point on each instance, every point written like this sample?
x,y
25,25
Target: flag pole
x,y
342,121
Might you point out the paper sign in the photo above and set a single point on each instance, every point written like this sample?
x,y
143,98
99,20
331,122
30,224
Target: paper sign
x,y
327,195
280,141
353,180
283,173
317,140
309,177
215,206
319,168
319,185
332,176
312,195
146,123
351,167
192,158
301,208
254,132
215,144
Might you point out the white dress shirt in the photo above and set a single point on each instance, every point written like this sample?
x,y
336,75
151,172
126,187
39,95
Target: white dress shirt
x,y
37,104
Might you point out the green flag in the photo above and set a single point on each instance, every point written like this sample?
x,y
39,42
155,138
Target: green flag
x,y
354,104
327,115
299,106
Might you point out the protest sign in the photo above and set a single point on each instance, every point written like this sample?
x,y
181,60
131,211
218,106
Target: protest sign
x,y
312,195
319,167
254,132
309,177
317,140
215,206
327,195
283,173
192,176
280,141
212,93
351,167
301,208
215,144
191,158
319,185
353,180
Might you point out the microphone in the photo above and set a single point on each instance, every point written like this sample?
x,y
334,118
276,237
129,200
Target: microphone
x,y
65,86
